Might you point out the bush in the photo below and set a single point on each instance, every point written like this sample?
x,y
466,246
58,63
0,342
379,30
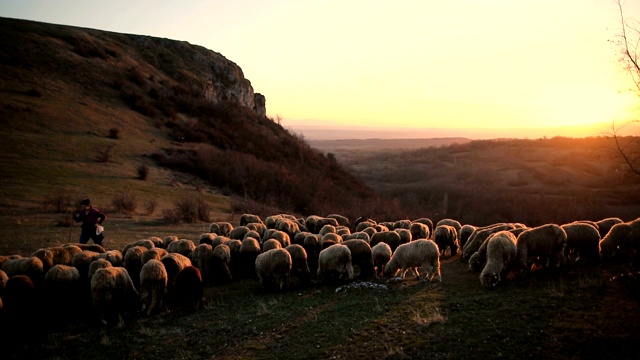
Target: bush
x,y
124,202
143,171
59,200
150,206
190,210
114,133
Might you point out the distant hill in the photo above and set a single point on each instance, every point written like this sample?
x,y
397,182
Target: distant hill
x,y
81,109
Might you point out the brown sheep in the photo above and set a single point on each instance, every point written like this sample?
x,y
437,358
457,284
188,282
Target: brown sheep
x,y
583,242
187,290
249,251
361,257
445,237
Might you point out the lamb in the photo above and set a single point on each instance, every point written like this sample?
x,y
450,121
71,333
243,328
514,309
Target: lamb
x,y
544,244
583,241
184,247
419,231
249,250
116,258
622,239
153,286
421,253
299,263
361,257
221,228
392,238
501,251
29,266
250,219
381,254
455,223
445,237
113,293
334,263
274,269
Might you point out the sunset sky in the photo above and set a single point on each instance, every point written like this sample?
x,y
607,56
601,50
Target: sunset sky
x,y
457,64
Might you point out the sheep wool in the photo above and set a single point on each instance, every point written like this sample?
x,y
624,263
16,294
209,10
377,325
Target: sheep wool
x,y
583,242
418,254
334,263
153,286
113,294
361,257
446,236
544,244
381,254
501,251
299,263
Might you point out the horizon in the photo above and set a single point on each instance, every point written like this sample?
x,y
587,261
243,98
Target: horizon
x,y
414,64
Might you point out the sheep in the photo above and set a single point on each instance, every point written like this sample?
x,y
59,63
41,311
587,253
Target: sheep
x,y
299,237
343,231
544,243
220,228
153,286
63,287
116,258
3,281
274,269
605,225
501,251
218,240
392,238
46,256
249,250
327,229
310,222
425,221
445,237
201,259
155,253
405,235
583,241
113,293
369,231
312,246
29,266
402,224
419,231
220,265
271,244
157,242
281,236
251,233
361,256
19,307
363,219
183,246
329,239
133,262
334,263
238,232
168,240
174,263
91,247
234,251
364,224
382,228
358,235
260,228
82,260
250,219
290,227
479,236
418,254
144,242
465,234
63,254
455,223
321,222
620,240
299,263
97,264
342,220
381,254
478,260
206,238
188,289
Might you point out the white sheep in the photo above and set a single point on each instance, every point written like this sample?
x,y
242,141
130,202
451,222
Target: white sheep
x,y
479,236
501,251
334,263
30,266
274,269
418,254
543,244
153,286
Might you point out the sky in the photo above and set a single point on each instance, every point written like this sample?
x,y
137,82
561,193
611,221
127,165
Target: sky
x,y
493,66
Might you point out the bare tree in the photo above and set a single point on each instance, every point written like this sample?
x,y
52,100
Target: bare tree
x,y
629,43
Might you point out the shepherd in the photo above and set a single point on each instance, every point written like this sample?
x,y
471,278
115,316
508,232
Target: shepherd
x,y
91,219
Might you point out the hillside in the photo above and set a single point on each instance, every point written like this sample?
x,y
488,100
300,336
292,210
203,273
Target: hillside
x,y
82,109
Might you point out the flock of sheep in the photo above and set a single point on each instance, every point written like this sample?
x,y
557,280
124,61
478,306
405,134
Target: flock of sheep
x,y
153,274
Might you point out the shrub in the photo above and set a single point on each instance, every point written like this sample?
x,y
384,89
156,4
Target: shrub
x,y
191,209
143,171
59,199
124,202
150,206
114,133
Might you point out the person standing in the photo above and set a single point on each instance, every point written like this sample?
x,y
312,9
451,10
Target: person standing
x,y
91,219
